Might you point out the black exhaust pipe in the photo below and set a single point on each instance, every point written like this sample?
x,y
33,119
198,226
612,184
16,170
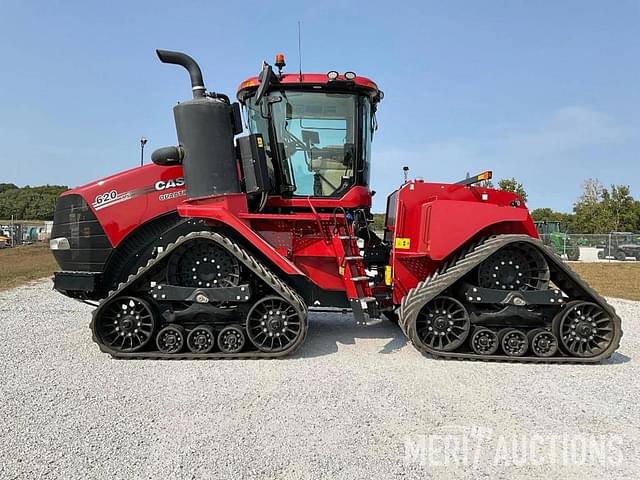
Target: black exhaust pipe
x,y
179,58
205,126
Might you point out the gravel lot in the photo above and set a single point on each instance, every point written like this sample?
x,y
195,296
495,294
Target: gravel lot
x,y
353,403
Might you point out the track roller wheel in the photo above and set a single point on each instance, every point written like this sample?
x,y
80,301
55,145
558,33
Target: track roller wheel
x,y
484,341
201,339
543,343
584,329
273,324
443,324
231,339
125,324
170,339
513,342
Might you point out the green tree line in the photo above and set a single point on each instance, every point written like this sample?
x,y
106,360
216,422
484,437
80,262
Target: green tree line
x,y
28,203
598,210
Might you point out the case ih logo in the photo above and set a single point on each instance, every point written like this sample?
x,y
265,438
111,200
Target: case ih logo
x,y
174,182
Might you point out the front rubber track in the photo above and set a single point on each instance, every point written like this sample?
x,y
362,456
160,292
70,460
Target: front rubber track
x,y
469,257
249,262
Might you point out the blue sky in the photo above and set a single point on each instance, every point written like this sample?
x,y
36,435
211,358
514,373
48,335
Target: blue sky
x,y
548,92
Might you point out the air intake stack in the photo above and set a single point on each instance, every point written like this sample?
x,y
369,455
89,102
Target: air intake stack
x,y
205,127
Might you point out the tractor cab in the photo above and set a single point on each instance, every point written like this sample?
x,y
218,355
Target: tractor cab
x,y
316,130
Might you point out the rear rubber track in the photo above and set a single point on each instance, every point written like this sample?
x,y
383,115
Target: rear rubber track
x,y
470,257
247,260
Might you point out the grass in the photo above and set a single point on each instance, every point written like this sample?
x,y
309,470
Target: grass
x,y
22,264
620,280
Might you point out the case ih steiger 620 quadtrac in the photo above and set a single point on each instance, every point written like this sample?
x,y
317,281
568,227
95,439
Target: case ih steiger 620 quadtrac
x,y
218,249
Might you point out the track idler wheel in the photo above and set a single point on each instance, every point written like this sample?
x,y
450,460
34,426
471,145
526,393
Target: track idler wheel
x,y
514,342
443,324
584,329
484,341
273,324
125,324
201,339
170,339
231,339
543,343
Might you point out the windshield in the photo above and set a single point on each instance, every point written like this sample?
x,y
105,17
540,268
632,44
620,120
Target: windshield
x,y
316,135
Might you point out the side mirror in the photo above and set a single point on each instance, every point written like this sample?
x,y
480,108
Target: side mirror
x,y
266,77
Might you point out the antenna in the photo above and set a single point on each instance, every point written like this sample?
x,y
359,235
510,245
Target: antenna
x,y
299,52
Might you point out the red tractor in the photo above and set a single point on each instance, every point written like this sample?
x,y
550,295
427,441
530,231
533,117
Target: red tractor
x,y
221,246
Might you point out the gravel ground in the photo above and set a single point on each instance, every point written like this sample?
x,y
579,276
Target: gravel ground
x,y
353,403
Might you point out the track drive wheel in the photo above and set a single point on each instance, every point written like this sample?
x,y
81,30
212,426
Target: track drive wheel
x,y
170,339
584,329
518,266
484,341
125,324
231,339
274,324
201,339
203,263
443,324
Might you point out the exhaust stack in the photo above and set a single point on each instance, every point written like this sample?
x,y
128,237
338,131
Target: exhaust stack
x,y
205,126
184,60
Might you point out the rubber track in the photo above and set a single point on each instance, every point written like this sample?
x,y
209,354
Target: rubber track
x,y
262,272
470,257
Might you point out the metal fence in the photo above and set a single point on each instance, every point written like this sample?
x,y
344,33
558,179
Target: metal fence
x,y
23,233
604,247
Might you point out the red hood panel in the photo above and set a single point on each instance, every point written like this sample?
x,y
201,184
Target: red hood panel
x,y
127,199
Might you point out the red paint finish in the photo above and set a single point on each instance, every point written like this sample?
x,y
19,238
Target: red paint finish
x,y
308,79
355,197
141,194
437,219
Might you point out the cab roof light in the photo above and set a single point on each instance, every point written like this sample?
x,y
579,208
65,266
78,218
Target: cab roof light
x,y
332,75
349,75
486,175
280,63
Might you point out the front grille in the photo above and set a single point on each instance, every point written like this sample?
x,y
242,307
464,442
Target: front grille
x,y
90,247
